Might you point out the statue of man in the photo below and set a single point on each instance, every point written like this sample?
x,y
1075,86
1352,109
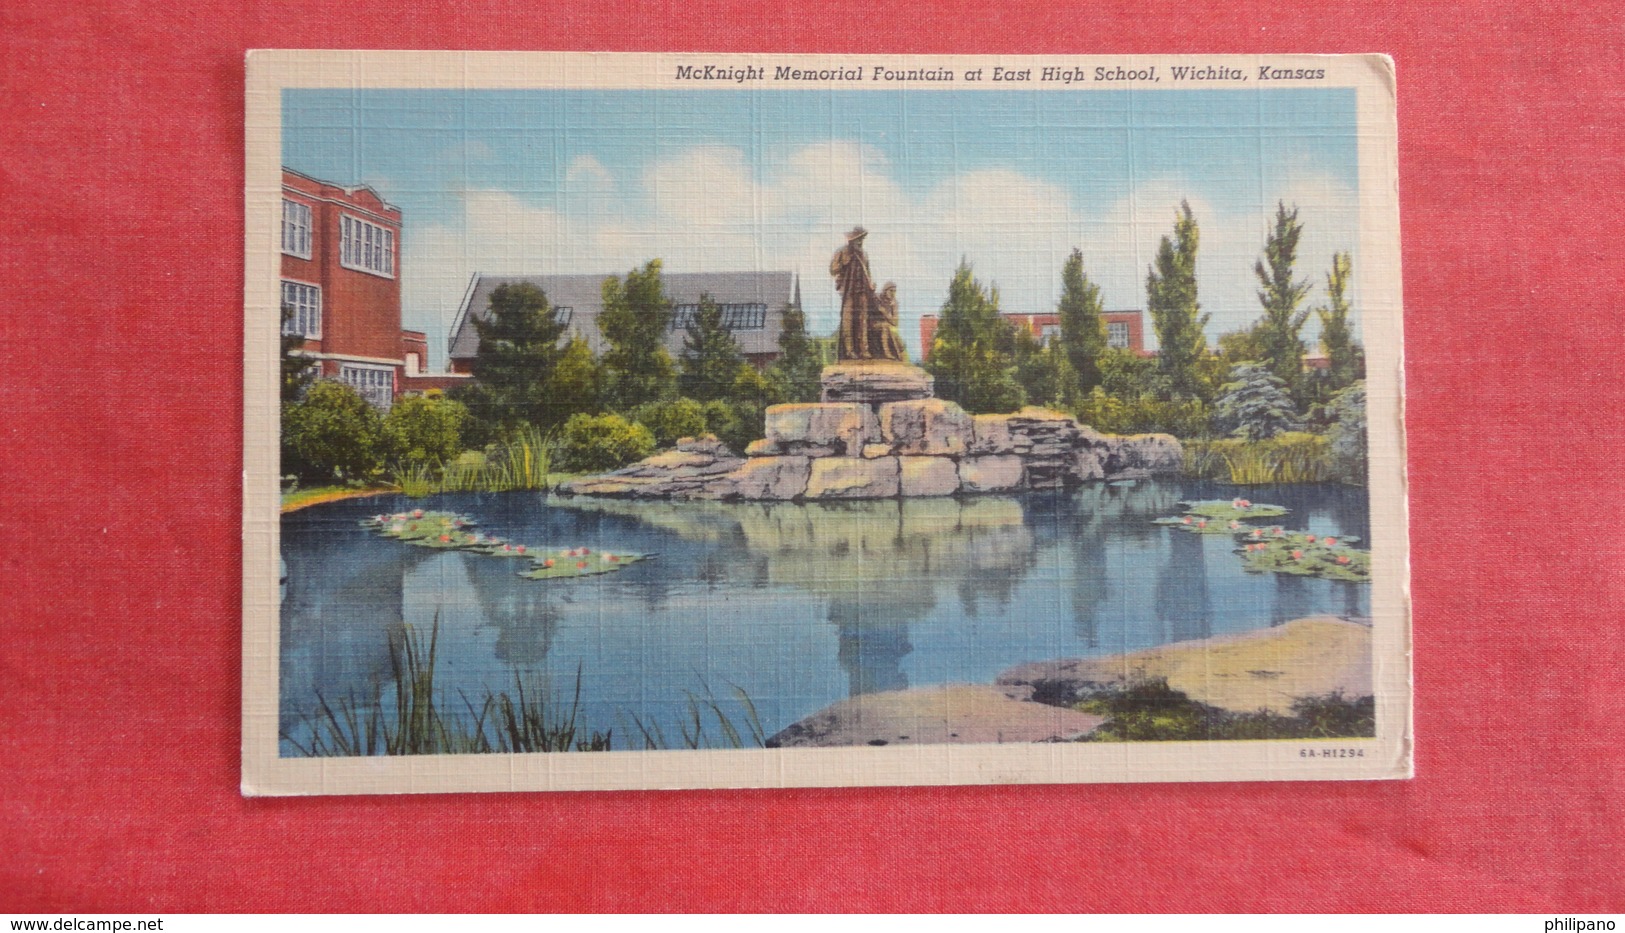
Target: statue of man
x,y
851,270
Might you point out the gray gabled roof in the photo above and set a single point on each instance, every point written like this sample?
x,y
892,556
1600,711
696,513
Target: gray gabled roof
x,y
583,295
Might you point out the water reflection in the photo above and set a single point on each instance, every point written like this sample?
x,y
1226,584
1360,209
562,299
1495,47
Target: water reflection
x,y
798,605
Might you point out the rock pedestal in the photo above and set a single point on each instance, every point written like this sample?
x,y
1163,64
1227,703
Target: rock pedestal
x,y
880,434
875,382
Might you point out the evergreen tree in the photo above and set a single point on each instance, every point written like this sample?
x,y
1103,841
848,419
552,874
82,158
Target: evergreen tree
x,y
1044,372
1083,329
1343,354
1255,405
636,316
1280,295
519,348
800,361
968,357
711,356
575,386
1350,456
1170,288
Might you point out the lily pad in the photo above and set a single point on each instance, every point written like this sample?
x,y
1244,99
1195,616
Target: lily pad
x,y
1306,555
1221,516
572,563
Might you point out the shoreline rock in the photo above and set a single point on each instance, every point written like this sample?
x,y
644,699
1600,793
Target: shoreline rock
x,y
1260,670
1264,669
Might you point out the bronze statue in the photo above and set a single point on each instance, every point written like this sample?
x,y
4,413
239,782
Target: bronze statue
x,y
868,329
885,341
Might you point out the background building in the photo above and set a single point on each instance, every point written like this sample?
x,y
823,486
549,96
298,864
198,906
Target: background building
x,y
1125,330
341,249
752,303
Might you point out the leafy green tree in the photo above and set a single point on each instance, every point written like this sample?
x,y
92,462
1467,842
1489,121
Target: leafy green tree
x,y
297,372
636,316
332,434
1280,295
1170,288
424,429
519,350
711,356
1255,405
1345,359
1242,346
800,359
1083,328
968,358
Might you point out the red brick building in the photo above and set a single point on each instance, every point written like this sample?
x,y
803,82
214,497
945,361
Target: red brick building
x,y
1125,330
341,249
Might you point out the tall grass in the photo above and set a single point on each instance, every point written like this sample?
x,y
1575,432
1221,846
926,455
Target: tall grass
x,y
524,461
526,720
417,724
1293,457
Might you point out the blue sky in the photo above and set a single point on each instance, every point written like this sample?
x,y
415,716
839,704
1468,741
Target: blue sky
x,y
562,181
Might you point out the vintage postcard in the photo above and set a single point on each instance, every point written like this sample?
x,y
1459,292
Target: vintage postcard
x,y
704,421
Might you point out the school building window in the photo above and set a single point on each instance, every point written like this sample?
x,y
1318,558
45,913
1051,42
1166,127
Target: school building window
x,y
296,229
366,246
1117,336
376,384
306,304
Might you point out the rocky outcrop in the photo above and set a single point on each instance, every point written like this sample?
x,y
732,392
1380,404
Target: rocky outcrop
x,y
890,441
695,468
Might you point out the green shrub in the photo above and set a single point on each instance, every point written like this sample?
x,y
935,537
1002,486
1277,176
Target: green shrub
x,y
332,434
1152,711
671,420
594,443
1144,414
423,430
736,424
1348,439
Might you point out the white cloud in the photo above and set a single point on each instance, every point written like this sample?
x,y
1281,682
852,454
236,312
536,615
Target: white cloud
x,y
703,209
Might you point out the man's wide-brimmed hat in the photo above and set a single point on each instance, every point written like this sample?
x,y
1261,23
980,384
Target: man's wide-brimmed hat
x,y
857,233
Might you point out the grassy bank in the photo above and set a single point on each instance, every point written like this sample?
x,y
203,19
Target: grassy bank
x,y
297,499
1151,711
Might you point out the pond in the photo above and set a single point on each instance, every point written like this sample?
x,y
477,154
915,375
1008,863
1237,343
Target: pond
x,y
796,605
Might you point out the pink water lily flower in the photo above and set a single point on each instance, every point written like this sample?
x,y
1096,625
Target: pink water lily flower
x,y
1330,542
521,548
1187,519
1297,555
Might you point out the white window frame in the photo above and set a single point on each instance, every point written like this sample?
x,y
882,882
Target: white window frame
x,y
296,235
373,382
1112,340
303,313
366,247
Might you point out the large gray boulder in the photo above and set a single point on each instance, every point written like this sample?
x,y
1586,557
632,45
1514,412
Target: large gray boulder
x,y
853,478
926,427
770,478
817,429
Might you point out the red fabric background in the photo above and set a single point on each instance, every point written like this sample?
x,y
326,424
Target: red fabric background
x,y
121,166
